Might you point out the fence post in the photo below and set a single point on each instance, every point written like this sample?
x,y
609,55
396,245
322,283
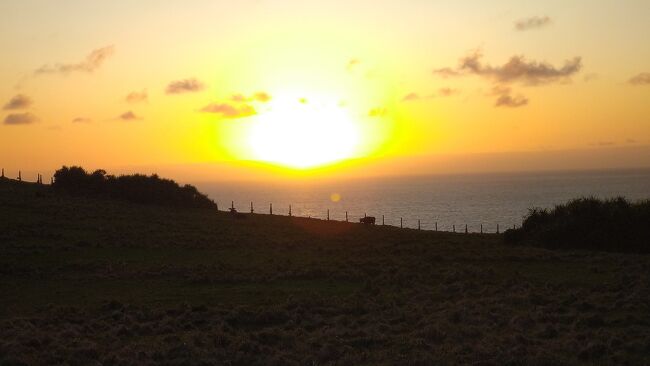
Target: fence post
x,y
289,210
436,225
401,223
382,220
3,172
454,227
465,228
346,216
328,214
497,228
419,224
270,209
20,178
252,207
481,228
232,205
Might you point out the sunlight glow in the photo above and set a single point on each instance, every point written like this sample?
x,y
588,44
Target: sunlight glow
x,y
303,135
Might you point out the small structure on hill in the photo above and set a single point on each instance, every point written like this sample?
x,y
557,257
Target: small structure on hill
x,y
368,220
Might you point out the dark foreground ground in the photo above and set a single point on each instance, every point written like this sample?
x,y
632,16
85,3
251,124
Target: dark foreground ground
x,y
90,282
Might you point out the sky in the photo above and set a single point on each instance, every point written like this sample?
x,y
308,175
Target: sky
x,y
245,89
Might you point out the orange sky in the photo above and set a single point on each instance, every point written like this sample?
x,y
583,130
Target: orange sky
x,y
211,89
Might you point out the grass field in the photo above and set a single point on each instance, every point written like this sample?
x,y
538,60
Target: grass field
x,y
90,282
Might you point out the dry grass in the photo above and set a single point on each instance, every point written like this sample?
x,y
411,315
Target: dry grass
x,y
96,282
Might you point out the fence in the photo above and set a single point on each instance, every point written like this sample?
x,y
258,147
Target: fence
x,y
418,224
345,216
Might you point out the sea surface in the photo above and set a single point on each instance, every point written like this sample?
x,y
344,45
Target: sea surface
x,y
448,201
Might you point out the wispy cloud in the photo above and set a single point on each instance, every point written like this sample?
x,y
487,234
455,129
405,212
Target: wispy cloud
x,y
19,101
377,112
447,92
640,79
20,119
517,69
352,63
128,116
532,23
81,120
230,111
411,97
184,86
91,63
262,97
137,97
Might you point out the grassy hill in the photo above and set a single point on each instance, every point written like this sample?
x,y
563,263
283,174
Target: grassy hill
x,y
94,281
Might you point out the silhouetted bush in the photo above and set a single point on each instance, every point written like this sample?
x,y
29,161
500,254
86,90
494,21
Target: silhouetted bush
x,y
614,225
135,188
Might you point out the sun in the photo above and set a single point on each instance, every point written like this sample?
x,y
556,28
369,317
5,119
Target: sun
x,y
303,134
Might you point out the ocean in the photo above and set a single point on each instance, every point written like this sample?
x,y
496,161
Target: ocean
x,y
446,201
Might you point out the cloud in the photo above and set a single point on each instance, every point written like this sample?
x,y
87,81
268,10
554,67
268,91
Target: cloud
x,y
91,63
411,97
447,92
81,120
19,101
184,86
377,112
128,116
20,119
603,143
532,23
230,111
517,69
137,97
352,63
640,79
505,98
591,77
446,72
262,97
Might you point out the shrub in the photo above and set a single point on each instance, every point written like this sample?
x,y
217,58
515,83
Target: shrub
x,y
134,188
614,225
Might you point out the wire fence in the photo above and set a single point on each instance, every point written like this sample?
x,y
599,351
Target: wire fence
x,y
427,224
365,218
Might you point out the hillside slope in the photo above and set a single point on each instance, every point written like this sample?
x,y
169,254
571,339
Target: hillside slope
x,y
86,281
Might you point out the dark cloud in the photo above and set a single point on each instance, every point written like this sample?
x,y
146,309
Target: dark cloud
x,y
184,86
92,62
128,116
19,101
532,23
506,99
81,120
377,112
20,119
411,97
230,111
640,79
517,69
137,97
